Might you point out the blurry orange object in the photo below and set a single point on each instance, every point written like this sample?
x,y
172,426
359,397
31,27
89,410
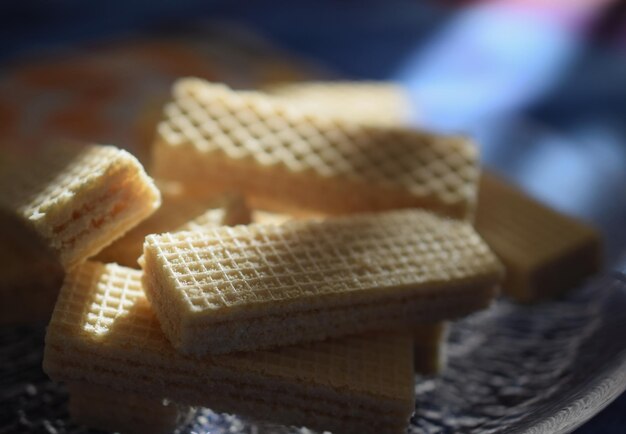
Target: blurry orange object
x,y
113,93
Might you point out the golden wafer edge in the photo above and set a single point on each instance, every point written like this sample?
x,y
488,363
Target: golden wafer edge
x,y
545,252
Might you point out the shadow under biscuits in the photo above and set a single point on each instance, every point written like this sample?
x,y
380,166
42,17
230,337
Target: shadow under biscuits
x,y
31,274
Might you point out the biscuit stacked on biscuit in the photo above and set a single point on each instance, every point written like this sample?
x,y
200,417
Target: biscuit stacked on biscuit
x,y
314,308
309,280
214,139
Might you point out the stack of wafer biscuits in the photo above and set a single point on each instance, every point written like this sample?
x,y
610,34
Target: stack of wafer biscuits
x,y
104,331
302,269
107,303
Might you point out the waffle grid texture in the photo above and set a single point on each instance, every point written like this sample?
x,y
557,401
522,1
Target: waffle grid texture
x,y
103,332
79,199
228,211
247,287
366,102
545,252
429,339
213,139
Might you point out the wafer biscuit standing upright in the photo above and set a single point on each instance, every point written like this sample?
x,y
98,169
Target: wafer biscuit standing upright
x,y
366,102
228,210
178,212
111,410
104,332
545,252
214,139
256,286
429,345
78,199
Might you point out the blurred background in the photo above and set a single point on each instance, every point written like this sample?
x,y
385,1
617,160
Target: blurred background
x,y
540,85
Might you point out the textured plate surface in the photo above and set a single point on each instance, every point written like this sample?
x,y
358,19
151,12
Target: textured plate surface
x,y
512,369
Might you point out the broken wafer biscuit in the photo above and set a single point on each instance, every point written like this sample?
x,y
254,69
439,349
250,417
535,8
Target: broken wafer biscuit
x,y
366,102
178,212
280,158
259,286
111,410
545,252
103,331
79,199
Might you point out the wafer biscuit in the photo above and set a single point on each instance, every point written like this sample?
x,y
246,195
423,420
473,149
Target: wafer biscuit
x,y
103,331
79,199
544,252
214,139
367,102
258,286
107,409
429,339
429,345
178,212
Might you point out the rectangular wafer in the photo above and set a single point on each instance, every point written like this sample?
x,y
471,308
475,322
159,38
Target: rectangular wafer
x,y
544,252
78,199
214,139
103,331
111,410
259,286
178,212
366,102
